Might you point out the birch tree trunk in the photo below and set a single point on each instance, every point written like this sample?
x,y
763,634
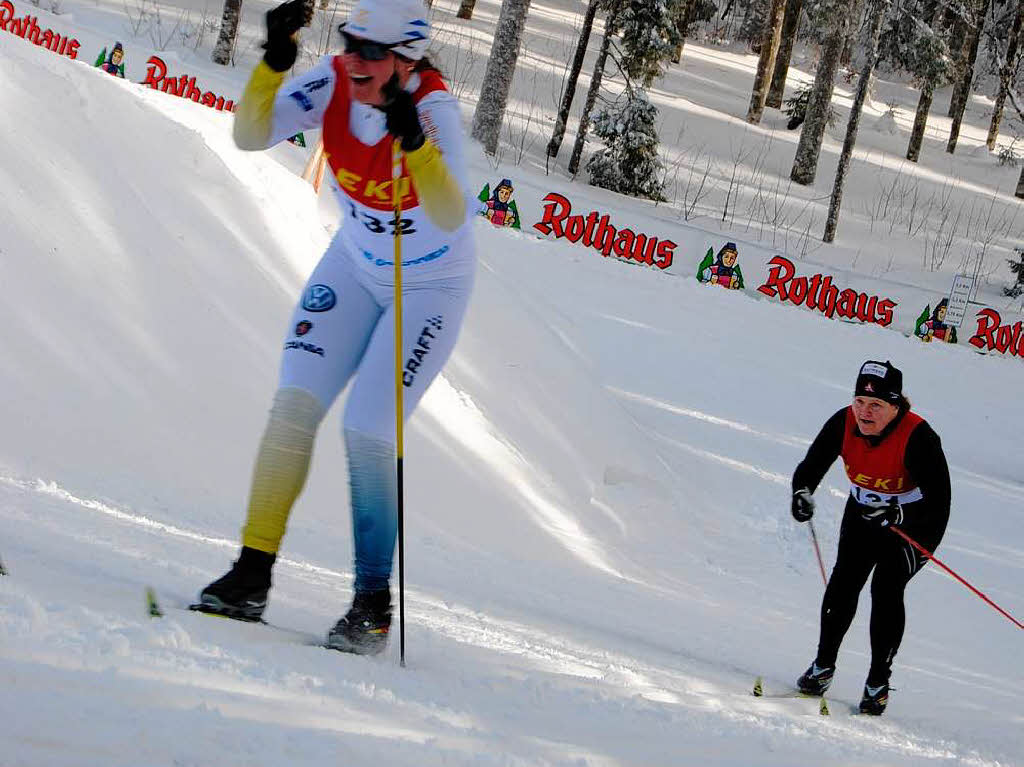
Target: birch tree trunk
x,y
1005,77
805,164
490,109
878,13
574,75
770,37
228,32
962,92
1020,185
595,87
790,25
466,9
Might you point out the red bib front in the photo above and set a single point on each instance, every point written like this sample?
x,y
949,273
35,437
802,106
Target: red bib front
x,y
879,468
364,172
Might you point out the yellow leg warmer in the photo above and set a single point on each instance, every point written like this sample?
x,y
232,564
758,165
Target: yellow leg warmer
x,y
281,466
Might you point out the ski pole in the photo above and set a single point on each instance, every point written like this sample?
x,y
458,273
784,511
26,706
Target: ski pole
x,y
396,201
939,562
817,550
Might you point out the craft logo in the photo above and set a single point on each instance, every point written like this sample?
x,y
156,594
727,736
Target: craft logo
x,y
303,346
595,231
422,349
27,28
183,86
993,335
818,292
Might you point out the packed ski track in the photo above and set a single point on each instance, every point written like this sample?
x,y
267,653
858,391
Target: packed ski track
x,y
600,557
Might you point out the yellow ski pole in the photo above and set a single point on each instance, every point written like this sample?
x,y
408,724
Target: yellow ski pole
x,y
396,202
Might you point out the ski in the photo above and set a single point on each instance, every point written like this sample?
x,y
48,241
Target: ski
x,y
154,610
758,692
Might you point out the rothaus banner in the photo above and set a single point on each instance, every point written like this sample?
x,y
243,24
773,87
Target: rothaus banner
x,y
161,71
556,210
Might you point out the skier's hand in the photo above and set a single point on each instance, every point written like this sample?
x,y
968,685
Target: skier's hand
x,y
883,516
403,120
283,22
803,505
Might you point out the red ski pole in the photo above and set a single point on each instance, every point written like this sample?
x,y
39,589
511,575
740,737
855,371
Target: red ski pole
x,y
817,550
937,561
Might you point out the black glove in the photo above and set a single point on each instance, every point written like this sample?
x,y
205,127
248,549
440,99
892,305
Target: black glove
x,y
282,24
803,505
883,516
403,120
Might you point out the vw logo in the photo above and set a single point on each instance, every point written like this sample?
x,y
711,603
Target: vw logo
x,y
318,298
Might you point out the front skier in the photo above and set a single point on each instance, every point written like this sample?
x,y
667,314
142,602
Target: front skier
x,y
380,88
898,476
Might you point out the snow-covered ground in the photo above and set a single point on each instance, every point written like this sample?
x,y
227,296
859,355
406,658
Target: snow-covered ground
x,y
600,555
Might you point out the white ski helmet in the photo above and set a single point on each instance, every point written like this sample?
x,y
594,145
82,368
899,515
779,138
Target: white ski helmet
x,y
392,21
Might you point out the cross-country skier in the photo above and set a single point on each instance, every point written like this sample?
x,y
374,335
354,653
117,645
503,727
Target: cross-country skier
x,y
381,88
898,476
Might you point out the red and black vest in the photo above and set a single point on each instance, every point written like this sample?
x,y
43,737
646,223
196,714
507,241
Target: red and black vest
x,y
364,172
877,471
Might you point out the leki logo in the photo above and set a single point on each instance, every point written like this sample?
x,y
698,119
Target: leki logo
x,y
595,231
993,335
818,292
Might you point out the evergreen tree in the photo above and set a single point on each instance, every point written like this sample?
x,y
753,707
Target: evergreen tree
x,y
649,33
1017,267
915,39
1007,67
629,163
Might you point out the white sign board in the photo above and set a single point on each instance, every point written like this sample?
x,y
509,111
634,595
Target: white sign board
x,y
958,298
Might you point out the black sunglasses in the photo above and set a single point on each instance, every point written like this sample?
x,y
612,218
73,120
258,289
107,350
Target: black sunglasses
x,y
367,50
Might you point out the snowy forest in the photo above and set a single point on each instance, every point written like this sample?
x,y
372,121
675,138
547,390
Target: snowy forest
x,y
971,52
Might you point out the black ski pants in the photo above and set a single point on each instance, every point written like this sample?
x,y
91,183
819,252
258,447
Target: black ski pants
x,y
864,546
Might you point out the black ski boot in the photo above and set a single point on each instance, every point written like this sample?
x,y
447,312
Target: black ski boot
x,y
816,679
364,629
875,698
241,593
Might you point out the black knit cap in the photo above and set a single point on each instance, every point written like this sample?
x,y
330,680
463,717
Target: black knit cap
x,y
882,380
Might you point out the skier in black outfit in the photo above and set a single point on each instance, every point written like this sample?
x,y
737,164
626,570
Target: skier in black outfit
x,y
898,476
